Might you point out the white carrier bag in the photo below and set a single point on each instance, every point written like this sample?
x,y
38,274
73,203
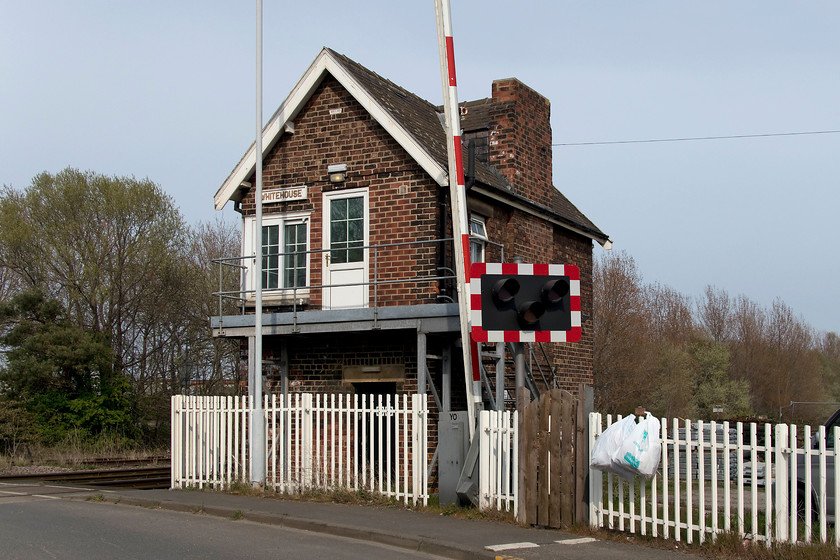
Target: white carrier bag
x,y
607,446
641,449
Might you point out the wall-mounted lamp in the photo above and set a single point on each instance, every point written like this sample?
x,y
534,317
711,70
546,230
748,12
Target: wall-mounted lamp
x,y
338,172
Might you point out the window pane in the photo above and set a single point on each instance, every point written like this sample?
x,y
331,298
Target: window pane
x,y
338,210
355,255
271,259
270,279
338,256
476,251
270,262
338,232
355,230
346,229
478,228
295,238
294,268
356,208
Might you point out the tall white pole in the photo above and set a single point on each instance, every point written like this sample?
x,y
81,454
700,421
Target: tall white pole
x,y
458,198
255,385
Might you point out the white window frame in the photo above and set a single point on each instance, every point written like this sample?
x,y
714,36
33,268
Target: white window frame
x,y
478,236
281,295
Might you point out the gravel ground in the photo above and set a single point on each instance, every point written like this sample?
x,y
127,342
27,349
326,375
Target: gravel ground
x,y
35,469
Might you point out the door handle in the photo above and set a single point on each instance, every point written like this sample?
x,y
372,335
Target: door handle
x,y
327,259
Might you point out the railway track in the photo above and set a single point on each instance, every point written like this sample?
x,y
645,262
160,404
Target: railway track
x,y
104,462
155,477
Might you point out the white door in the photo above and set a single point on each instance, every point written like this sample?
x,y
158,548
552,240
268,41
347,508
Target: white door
x,y
345,261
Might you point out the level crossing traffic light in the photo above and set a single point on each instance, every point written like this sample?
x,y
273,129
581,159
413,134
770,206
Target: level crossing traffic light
x,y
517,302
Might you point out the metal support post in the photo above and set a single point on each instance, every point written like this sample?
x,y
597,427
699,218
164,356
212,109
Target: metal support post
x,y
500,376
284,368
446,378
519,366
255,389
422,384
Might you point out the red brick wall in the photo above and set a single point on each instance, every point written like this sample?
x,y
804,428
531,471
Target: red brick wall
x,y
317,366
403,198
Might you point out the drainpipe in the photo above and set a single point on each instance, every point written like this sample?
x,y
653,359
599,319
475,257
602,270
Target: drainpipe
x,y
443,206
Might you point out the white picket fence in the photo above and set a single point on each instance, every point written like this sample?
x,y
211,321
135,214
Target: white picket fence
x,y
209,441
716,478
498,463
324,442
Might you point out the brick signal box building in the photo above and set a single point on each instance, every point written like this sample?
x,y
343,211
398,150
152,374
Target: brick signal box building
x,y
358,279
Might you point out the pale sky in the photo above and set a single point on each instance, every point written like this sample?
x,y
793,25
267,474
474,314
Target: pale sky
x,y
166,90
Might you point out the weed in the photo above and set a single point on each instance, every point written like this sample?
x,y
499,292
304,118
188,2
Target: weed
x,y
245,489
95,498
728,546
237,515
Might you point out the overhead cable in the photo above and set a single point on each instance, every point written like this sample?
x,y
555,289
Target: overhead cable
x,y
695,138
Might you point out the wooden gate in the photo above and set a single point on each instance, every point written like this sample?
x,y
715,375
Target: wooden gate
x,y
553,459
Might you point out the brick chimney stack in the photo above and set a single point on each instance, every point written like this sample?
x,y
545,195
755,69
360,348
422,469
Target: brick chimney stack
x,y
520,139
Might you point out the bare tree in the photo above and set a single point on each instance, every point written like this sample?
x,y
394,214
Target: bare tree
x,y
670,314
216,359
795,373
715,313
620,333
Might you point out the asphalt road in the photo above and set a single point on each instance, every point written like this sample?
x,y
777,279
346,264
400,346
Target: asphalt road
x,y
36,525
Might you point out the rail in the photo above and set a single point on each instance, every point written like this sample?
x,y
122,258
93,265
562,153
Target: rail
x,y
153,477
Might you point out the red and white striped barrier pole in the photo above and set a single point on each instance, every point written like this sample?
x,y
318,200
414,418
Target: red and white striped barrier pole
x,y
458,196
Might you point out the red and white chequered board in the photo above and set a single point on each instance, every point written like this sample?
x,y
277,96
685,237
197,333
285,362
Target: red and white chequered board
x,y
520,269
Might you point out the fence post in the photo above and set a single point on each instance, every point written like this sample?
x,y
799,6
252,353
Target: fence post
x,y
485,456
523,398
174,443
584,407
306,439
419,448
780,478
596,486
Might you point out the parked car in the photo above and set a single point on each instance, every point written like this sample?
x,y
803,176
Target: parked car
x,y
830,498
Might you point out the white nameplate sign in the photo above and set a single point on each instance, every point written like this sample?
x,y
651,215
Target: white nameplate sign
x,y
284,195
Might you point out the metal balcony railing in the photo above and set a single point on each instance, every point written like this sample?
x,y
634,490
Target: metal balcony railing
x,y
235,269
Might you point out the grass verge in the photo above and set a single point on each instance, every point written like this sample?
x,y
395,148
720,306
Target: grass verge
x,y
726,546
